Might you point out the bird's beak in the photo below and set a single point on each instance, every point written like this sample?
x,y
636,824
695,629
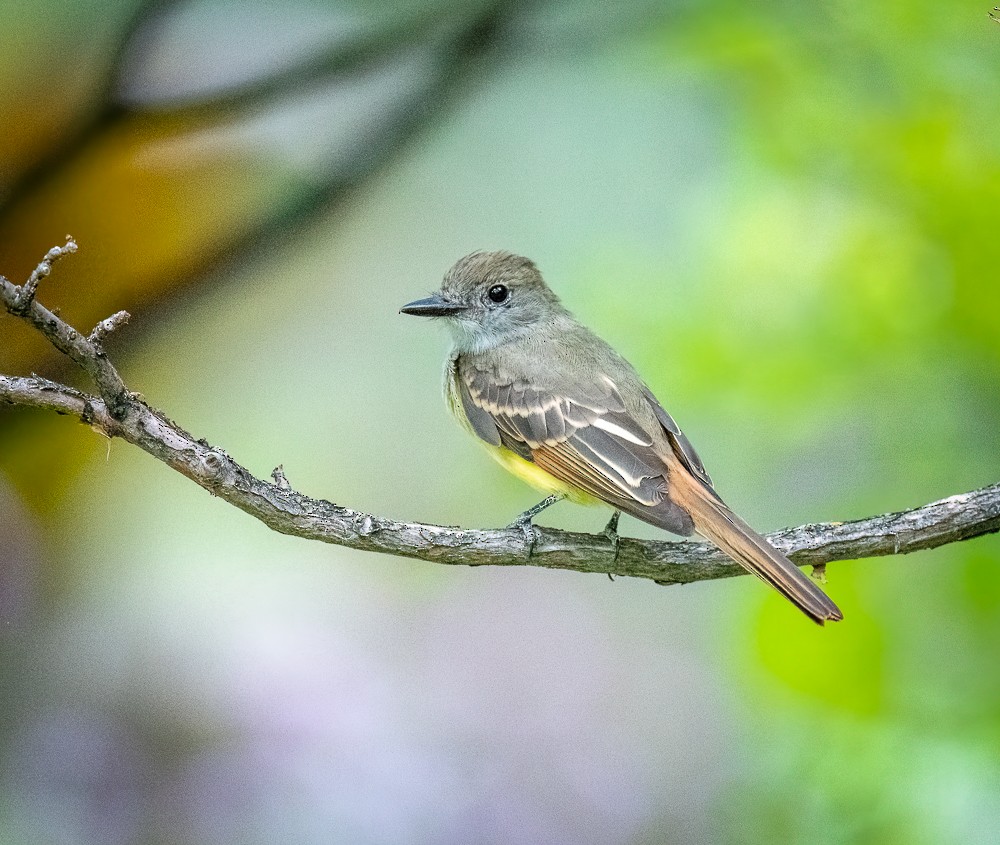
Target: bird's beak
x,y
433,306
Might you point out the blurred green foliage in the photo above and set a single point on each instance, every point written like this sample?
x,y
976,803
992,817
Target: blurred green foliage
x,y
882,155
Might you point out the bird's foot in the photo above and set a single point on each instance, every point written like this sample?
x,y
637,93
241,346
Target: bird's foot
x,y
523,522
528,530
611,532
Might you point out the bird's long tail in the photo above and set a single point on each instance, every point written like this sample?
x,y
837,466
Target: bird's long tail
x,y
716,522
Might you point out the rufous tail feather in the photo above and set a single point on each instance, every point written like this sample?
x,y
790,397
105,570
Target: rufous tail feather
x,y
716,522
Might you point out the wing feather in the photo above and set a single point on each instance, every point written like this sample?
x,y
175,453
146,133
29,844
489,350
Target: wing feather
x,y
479,418
583,435
682,446
534,421
555,423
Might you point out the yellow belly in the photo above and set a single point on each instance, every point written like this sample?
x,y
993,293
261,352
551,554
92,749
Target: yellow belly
x,y
537,477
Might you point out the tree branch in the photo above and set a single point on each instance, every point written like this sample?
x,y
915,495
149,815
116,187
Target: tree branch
x,y
116,412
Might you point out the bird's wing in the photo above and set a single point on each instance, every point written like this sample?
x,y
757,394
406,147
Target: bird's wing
x,y
682,446
582,434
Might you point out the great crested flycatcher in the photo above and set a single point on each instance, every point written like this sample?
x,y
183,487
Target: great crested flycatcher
x,y
562,410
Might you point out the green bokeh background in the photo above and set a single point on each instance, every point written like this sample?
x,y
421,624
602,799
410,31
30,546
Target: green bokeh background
x,y
785,215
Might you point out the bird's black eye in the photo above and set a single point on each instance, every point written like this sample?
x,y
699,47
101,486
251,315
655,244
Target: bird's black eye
x,y
498,293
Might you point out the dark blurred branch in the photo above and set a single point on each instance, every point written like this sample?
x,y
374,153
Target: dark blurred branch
x,y
459,46
103,115
461,40
464,48
459,34
116,412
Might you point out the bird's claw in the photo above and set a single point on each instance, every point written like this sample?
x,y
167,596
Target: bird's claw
x,y
529,531
611,532
524,520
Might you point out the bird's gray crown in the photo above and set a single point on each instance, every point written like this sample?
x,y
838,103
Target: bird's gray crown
x,y
481,270
502,296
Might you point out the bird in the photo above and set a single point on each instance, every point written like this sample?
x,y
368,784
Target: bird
x,y
561,409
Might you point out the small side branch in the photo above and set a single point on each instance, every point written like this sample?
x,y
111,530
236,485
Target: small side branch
x,y
116,412
85,352
106,326
26,293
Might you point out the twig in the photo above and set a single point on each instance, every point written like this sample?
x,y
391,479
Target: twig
x,y
84,352
116,412
105,327
26,293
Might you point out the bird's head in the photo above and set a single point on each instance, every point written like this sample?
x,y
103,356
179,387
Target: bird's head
x,y
488,298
